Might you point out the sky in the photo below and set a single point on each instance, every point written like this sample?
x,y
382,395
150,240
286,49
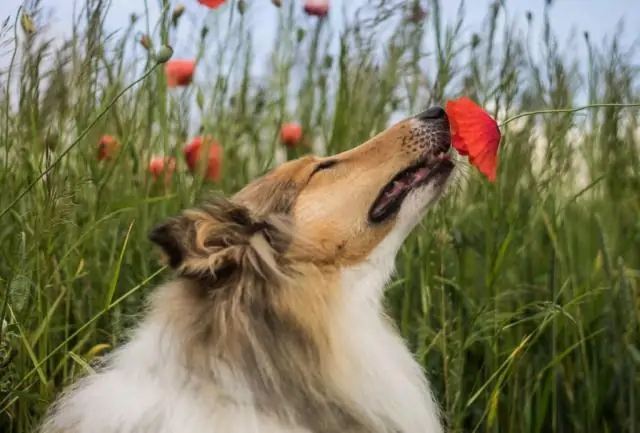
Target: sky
x,y
597,16
601,18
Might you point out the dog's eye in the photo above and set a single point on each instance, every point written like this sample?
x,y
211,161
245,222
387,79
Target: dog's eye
x,y
323,166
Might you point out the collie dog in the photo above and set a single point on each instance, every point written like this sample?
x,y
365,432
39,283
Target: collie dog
x,y
273,322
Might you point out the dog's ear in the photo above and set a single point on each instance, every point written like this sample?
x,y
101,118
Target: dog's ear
x,y
221,238
169,236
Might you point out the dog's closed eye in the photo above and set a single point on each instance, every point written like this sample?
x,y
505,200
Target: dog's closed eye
x,y
324,165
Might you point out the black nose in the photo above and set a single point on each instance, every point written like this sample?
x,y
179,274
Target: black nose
x,y
432,113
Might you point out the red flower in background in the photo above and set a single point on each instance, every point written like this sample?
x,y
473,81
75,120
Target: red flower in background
x,y
211,4
193,154
474,133
159,164
180,72
291,134
318,8
107,147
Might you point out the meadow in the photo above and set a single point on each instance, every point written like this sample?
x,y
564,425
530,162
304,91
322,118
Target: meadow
x,y
521,298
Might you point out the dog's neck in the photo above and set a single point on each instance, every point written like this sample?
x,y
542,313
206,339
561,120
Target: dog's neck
x,y
370,383
376,368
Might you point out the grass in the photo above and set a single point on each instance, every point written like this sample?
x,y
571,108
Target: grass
x,y
521,298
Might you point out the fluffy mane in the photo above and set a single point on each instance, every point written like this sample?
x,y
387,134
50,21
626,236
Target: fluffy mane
x,y
273,320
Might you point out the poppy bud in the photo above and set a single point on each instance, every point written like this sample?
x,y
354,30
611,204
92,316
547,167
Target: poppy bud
x,y
164,53
159,165
417,13
176,14
26,22
107,147
291,134
318,8
203,32
145,41
242,6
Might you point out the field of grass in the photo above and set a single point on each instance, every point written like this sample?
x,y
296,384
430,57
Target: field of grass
x,y
521,298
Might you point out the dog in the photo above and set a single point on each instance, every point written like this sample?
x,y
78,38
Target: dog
x,y
273,321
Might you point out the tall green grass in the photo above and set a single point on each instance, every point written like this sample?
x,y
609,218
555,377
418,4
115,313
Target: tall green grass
x,y
520,298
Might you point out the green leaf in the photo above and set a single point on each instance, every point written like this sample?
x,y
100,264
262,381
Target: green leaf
x,y
19,292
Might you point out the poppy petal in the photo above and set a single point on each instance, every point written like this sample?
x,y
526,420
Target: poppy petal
x,y
478,133
475,134
212,4
486,162
457,141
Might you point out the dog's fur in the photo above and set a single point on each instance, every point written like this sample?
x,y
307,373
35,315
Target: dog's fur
x,y
274,321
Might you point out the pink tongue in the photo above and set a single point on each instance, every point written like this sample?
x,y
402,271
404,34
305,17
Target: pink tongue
x,y
396,188
389,196
419,176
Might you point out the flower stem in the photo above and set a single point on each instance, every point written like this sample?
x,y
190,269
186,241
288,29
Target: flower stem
x,y
76,141
567,110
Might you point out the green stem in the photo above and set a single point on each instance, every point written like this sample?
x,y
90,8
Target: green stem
x,y
76,141
568,110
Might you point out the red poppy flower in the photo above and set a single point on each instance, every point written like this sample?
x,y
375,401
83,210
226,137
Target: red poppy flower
x,y
318,8
291,134
159,164
180,72
211,4
107,147
192,153
474,133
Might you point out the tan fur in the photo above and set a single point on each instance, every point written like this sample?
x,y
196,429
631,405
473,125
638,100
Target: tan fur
x,y
330,207
260,273
258,277
262,316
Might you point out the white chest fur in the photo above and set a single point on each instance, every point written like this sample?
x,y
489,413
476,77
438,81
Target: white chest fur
x,y
378,371
145,388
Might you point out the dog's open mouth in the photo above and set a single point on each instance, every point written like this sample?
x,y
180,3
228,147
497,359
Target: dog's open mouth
x,y
420,174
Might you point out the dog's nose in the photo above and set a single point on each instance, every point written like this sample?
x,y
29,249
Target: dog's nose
x,y
433,113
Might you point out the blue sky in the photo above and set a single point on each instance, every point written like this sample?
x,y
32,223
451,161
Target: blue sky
x,y
599,17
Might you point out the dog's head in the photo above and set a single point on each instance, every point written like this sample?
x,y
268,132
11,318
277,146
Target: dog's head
x,y
325,211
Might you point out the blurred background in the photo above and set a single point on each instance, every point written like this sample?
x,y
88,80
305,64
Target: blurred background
x,y
519,297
